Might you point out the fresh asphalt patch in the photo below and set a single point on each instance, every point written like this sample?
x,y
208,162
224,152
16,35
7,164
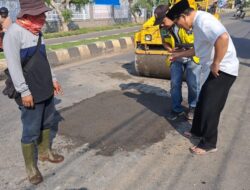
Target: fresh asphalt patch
x,y
119,120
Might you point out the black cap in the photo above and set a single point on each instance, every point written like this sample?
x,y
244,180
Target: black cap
x,y
4,10
177,9
160,13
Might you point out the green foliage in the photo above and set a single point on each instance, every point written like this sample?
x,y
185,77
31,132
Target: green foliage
x,y
2,55
76,2
147,4
88,30
161,2
67,15
80,2
248,4
136,8
47,2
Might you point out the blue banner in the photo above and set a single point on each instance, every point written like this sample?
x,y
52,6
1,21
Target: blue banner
x,y
107,2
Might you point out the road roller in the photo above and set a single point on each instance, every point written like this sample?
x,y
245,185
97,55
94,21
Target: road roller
x,y
151,58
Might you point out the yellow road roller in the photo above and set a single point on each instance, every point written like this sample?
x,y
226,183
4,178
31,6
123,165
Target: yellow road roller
x,y
150,56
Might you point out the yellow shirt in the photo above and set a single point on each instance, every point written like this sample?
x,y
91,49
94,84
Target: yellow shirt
x,y
185,38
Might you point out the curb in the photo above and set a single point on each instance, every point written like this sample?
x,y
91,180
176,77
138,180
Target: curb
x,y
242,60
83,52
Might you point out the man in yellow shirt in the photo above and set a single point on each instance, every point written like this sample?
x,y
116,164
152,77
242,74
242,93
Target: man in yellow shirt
x,y
178,39
159,14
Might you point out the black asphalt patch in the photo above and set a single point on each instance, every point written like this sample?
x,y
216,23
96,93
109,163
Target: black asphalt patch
x,y
118,121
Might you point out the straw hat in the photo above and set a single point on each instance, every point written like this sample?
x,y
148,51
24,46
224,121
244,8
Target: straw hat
x,y
160,13
32,7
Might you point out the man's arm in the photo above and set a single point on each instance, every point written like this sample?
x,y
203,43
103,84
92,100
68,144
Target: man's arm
x,y
56,84
167,46
180,54
12,46
221,46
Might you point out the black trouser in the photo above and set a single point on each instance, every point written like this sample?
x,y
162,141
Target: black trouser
x,y
211,102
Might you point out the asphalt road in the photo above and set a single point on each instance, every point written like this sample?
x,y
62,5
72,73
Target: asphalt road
x,y
114,133
240,32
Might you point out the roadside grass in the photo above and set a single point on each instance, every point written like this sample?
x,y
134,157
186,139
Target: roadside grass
x,y
2,55
81,42
88,30
87,41
83,31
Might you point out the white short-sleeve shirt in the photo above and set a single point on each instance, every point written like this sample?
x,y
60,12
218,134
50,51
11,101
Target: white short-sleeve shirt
x,y
206,30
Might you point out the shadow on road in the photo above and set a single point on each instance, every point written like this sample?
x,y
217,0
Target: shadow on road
x,y
130,67
246,19
159,103
54,129
245,64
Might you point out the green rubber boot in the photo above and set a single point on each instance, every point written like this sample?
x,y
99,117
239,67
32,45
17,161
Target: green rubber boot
x,y
33,173
44,150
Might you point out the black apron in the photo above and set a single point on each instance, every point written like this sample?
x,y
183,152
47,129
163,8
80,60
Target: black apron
x,y
37,74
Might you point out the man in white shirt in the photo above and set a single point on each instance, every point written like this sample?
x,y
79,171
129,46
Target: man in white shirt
x,y
217,54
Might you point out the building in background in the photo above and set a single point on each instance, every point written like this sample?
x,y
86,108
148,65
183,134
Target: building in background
x,y
107,2
101,13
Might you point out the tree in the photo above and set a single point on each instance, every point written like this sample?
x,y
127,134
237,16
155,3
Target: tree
x,y
64,14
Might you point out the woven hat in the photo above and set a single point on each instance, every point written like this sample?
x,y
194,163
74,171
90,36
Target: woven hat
x,y
32,7
160,13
